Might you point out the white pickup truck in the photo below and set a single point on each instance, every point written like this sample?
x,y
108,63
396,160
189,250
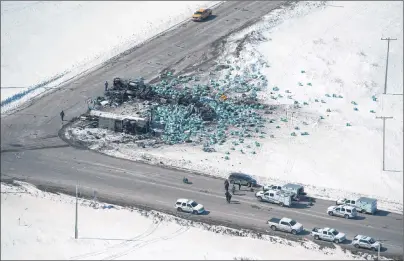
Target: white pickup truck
x,y
328,234
277,197
285,224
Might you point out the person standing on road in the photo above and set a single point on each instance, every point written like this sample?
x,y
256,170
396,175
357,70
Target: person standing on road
x,y
228,196
62,114
106,85
226,185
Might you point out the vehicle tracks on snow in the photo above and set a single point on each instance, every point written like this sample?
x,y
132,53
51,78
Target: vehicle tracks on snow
x,y
152,228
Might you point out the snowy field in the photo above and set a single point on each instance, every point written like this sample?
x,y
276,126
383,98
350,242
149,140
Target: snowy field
x,y
40,225
314,51
42,40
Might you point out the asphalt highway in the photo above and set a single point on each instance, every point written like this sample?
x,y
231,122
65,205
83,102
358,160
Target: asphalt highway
x,y
31,149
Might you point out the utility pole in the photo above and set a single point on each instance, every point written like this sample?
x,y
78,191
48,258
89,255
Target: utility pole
x,y
76,230
384,136
387,60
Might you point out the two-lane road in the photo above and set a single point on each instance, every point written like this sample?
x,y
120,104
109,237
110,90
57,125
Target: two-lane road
x,y
31,148
145,185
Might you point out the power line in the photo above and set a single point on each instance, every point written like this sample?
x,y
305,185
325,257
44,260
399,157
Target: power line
x,y
384,137
387,60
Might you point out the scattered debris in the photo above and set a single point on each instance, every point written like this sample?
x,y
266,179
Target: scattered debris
x,y
208,149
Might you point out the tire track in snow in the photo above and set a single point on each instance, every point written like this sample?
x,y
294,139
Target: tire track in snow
x,y
178,232
147,233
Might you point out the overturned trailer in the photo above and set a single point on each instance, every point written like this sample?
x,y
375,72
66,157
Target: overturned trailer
x,y
121,123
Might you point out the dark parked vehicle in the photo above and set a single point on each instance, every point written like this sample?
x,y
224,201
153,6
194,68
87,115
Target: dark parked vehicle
x,y
242,179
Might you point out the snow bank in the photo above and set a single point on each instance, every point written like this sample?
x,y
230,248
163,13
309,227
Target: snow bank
x,y
40,225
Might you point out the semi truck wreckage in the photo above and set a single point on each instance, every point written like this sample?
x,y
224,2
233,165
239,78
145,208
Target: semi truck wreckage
x,y
175,111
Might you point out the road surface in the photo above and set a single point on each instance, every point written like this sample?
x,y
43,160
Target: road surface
x,y
31,149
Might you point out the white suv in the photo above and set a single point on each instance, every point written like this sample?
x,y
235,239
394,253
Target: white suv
x,y
366,242
342,211
190,206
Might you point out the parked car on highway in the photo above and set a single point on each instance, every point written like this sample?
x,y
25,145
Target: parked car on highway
x,y
281,198
201,14
328,234
342,211
271,187
298,190
362,204
285,224
237,178
360,241
190,206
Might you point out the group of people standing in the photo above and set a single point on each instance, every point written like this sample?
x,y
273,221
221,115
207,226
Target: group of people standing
x,y
228,194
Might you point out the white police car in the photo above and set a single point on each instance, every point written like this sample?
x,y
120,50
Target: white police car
x,y
190,206
342,211
361,241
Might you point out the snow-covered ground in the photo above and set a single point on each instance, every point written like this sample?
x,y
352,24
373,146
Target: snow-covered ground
x,y
40,225
41,40
315,50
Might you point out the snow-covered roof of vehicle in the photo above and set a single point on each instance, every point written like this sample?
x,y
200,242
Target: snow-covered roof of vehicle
x,y
287,219
359,237
329,229
184,200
